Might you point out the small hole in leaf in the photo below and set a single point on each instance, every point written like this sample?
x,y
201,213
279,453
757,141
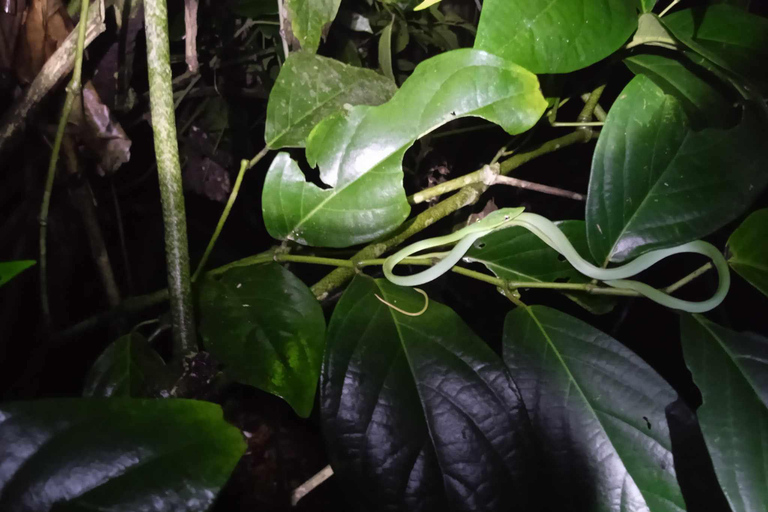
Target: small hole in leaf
x,y
480,245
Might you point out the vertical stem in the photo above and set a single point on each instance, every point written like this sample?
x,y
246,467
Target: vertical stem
x,y
73,91
169,173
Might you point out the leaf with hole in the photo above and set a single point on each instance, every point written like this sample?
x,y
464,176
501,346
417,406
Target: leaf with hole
x,y
598,412
728,36
268,330
309,88
129,367
516,254
748,250
731,370
309,20
557,36
114,454
418,412
10,269
360,150
657,183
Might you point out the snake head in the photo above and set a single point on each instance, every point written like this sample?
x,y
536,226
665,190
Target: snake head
x,y
497,218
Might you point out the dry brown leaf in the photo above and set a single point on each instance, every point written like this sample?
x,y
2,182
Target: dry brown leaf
x,y
46,24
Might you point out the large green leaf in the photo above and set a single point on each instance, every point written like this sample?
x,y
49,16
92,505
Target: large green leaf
x,y
309,88
10,269
418,413
129,367
116,454
748,249
309,18
598,411
731,370
696,87
728,36
557,36
657,183
265,325
516,254
360,150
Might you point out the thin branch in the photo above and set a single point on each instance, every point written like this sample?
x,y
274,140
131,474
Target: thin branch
x,y
507,166
544,189
670,6
190,36
308,486
73,91
687,279
137,304
169,174
577,124
82,198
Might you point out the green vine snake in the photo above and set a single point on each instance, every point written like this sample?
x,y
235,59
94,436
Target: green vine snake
x,y
549,233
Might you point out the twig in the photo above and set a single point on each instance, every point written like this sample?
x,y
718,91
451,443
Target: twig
x,y
54,69
507,166
308,486
190,39
169,174
544,189
73,91
577,124
83,201
283,15
687,279
670,6
121,236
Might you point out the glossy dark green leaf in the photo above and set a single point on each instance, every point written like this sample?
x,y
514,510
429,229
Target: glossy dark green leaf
x,y
360,150
696,87
418,412
268,330
309,88
598,411
129,367
309,18
117,454
253,8
385,50
748,249
731,370
558,36
728,36
10,269
657,183
515,254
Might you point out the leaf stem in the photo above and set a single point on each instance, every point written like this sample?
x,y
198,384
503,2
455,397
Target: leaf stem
x,y
473,274
244,166
73,90
169,174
